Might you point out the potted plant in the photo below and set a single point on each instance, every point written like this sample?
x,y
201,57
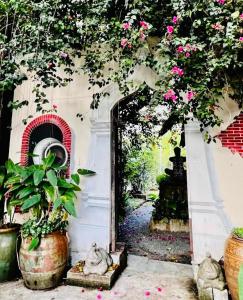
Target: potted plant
x,y
48,197
8,229
233,260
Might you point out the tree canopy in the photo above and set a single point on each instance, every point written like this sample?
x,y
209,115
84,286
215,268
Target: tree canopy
x,y
194,47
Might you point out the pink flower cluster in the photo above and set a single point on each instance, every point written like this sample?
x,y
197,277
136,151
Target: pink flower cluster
x,y
217,26
144,25
241,39
170,29
170,95
178,71
241,16
124,43
126,26
190,95
221,2
187,49
175,20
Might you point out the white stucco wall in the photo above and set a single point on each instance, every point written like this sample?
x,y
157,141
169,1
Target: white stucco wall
x,y
214,173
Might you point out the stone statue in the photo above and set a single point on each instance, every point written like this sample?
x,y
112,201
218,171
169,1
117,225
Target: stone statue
x,y
97,261
210,274
178,165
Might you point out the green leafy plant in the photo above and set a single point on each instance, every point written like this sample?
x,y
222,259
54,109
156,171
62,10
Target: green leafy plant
x,y
43,192
238,232
194,47
162,178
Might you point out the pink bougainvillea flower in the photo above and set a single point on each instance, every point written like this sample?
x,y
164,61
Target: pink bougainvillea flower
x,y
142,36
126,26
147,293
161,290
54,106
99,296
124,42
144,24
188,54
170,29
222,2
175,19
190,95
170,95
217,26
241,39
180,49
178,71
241,16
63,55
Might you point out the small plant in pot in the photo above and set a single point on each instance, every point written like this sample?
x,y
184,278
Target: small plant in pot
x,y
9,230
48,197
233,263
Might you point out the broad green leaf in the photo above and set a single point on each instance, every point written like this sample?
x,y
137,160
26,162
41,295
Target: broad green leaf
x,y
38,176
57,203
14,187
9,166
240,283
34,243
31,202
85,172
12,180
2,175
75,178
64,184
16,202
49,160
52,178
25,192
50,192
70,208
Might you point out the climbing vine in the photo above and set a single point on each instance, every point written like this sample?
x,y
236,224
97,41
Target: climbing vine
x,y
194,48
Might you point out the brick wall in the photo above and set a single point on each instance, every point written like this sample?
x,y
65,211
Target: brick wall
x,y
52,119
232,137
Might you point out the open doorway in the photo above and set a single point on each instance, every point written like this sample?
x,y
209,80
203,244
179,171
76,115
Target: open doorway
x,y
150,207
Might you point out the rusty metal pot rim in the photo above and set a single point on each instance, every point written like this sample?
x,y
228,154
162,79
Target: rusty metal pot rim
x,y
14,227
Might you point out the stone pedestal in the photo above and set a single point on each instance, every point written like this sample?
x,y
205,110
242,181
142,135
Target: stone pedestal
x,y
75,275
174,225
212,294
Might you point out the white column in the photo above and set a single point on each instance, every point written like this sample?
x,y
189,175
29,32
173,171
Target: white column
x,y
209,225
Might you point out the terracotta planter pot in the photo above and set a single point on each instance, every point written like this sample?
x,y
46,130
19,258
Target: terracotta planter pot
x,y
233,259
8,257
43,267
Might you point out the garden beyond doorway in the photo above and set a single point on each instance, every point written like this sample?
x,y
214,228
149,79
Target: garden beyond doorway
x,y
150,184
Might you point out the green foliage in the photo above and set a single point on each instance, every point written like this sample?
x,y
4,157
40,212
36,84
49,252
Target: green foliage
x,y
238,232
205,43
42,191
162,178
240,283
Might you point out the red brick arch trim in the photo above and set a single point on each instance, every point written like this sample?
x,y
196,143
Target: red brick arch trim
x,y
51,119
232,137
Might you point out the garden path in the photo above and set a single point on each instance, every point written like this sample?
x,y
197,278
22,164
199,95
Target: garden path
x,y
134,231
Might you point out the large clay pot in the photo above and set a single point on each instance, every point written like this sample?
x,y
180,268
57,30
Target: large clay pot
x,y
43,267
233,259
8,257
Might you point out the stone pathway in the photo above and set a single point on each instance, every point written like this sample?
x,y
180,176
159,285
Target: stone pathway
x,y
134,231
142,279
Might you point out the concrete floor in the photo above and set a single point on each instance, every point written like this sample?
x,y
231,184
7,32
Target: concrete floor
x,y
142,279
